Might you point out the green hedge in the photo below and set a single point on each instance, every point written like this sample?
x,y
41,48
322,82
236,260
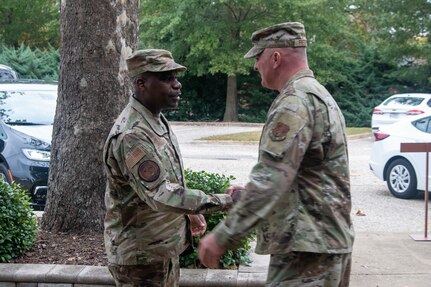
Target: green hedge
x,y
18,227
214,183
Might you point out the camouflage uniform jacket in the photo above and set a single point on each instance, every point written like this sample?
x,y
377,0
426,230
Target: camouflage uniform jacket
x,y
298,196
146,198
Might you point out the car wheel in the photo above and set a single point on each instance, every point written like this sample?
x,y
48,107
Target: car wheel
x,y
4,175
401,179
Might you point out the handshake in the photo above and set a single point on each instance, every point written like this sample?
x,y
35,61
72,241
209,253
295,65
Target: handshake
x,y
197,221
235,192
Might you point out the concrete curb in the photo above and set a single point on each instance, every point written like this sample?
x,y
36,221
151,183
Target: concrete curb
x,y
360,136
233,142
218,124
51,275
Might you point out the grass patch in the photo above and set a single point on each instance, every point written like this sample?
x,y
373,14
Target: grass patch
x,y
255,136
357,131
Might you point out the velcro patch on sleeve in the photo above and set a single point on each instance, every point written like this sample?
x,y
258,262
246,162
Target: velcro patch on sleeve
x,y
278,133
149,171
134,157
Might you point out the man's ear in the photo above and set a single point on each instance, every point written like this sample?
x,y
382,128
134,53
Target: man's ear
x,y
140,82
276,59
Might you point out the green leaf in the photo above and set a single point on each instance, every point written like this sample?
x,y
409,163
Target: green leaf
x,y
18,227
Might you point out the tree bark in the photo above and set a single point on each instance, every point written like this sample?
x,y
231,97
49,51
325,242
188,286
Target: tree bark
x,y
96,37
231,111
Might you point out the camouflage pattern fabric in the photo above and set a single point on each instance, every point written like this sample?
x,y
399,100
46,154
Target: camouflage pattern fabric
x,y
152,60
163,274
289,34
146,197
298,196
302,269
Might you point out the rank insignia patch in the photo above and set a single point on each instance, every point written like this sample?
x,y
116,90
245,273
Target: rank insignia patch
x,y
278,133
148,171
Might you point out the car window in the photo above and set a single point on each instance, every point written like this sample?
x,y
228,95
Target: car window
x,y
7,75
407,101
28,107
429,103
423,124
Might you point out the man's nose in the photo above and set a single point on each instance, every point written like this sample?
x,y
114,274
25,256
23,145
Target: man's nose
x,y
177,85
255,67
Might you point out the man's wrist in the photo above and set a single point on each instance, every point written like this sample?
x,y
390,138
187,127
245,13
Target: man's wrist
x,y
223,237
225,200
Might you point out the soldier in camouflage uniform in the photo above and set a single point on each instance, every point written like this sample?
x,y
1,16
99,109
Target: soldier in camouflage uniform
x,y
298,196
148,207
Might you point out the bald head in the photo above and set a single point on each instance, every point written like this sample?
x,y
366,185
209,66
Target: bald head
x,y
277,65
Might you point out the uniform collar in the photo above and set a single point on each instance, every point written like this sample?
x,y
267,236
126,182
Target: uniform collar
x,y
299,75
159,126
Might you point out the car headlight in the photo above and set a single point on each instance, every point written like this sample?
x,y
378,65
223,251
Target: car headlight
x,y
35,154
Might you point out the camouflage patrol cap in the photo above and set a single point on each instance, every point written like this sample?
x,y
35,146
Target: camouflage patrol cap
x,y
289,34
151,60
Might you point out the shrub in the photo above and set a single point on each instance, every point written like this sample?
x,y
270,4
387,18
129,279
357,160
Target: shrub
x,y
32,63
18,225
214,183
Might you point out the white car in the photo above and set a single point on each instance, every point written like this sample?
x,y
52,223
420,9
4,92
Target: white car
x,y
7,73
399,106
405,173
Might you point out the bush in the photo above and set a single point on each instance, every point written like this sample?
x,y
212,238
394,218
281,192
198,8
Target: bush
x,y
214,183
203,99
18,225
32,63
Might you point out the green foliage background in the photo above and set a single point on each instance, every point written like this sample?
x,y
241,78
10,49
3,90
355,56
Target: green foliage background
x,y
18,226
214,183
361,50
32,63
33,23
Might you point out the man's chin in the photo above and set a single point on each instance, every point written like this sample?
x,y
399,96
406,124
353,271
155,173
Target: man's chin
x,y
264,84
172,105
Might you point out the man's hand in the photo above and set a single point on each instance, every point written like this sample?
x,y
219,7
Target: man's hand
x,y
210,251
235,192
198,225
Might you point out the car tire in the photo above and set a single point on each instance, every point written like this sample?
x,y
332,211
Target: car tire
x,y
401,179
4,174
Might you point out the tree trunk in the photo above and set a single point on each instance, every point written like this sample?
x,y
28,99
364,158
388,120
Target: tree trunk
x,y
231,112
96,37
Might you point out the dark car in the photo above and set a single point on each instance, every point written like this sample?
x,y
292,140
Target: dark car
x,y
27,112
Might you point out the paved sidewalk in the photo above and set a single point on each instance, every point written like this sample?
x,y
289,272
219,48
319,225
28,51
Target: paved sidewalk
x,y
380,260
391,260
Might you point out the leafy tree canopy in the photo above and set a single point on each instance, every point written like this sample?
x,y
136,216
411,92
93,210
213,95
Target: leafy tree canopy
x,y
213,36
34,23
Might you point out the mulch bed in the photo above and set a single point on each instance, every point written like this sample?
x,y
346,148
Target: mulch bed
x,y
64,248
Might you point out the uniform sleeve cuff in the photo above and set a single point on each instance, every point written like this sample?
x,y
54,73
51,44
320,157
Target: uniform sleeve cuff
x,y
225,200
224,236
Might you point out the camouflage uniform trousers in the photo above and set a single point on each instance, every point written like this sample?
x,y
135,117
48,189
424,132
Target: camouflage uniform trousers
x,y
163,274
309,270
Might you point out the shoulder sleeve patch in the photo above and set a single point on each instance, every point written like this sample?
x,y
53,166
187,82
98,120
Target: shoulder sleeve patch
x,y
149,171
278,133
134,157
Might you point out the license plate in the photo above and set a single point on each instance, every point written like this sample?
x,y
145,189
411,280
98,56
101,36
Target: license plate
x,y
394,116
